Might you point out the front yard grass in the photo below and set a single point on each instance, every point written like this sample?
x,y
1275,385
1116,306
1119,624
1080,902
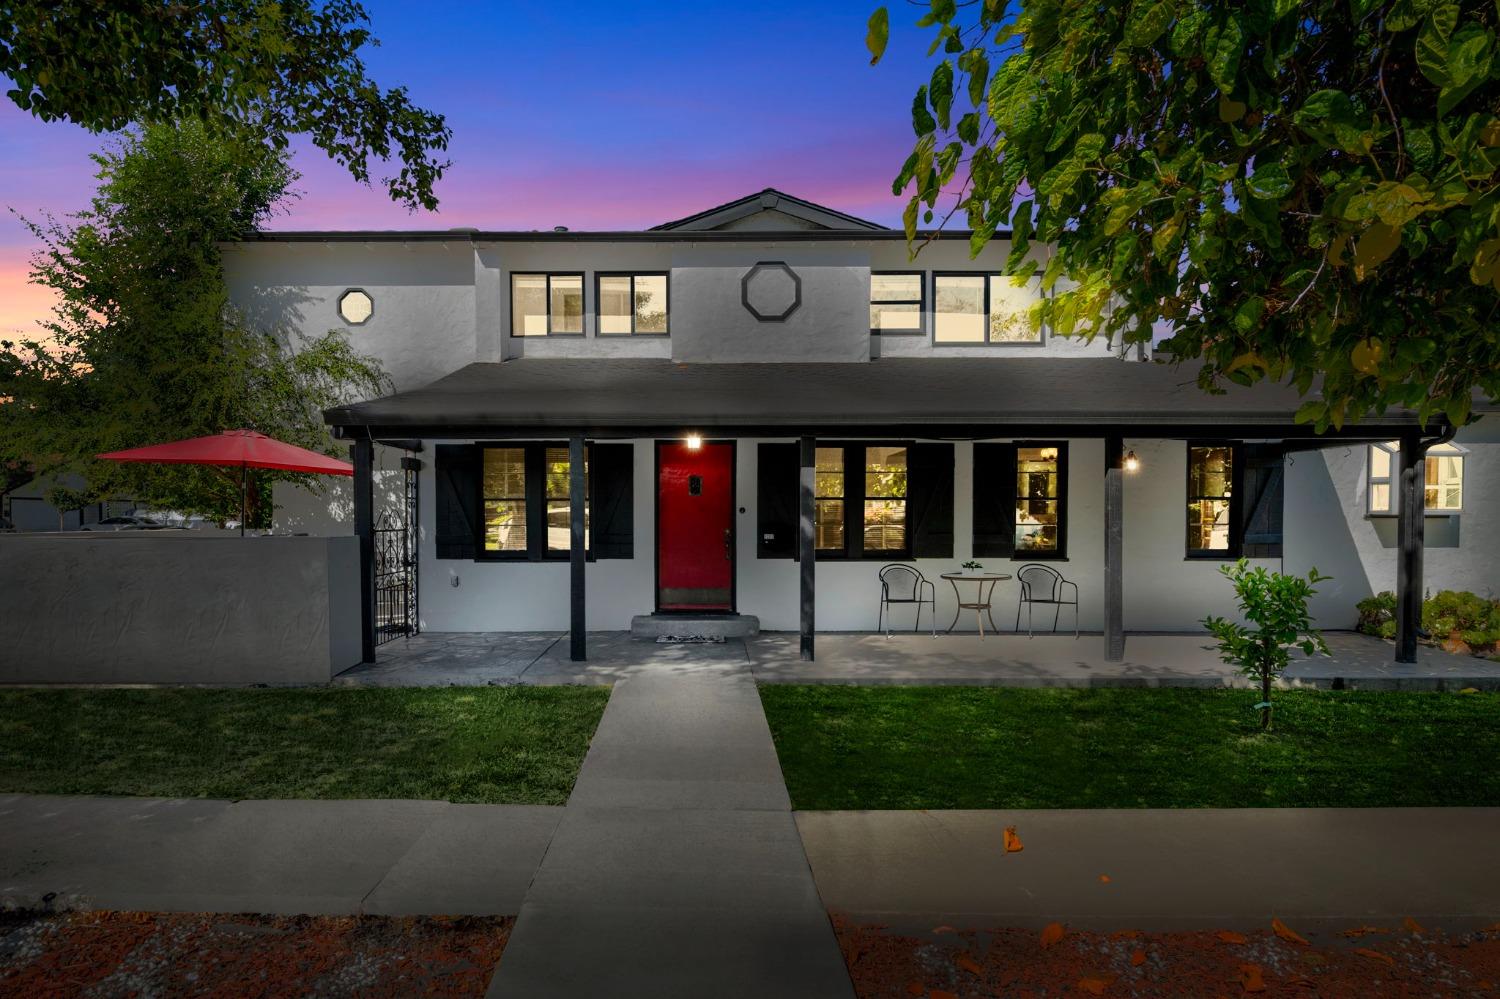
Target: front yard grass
x,y
496,745
986,747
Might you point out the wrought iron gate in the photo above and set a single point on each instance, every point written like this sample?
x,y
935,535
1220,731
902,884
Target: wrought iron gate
x,y
396,562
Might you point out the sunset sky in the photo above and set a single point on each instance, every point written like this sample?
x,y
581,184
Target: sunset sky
x,y
593,116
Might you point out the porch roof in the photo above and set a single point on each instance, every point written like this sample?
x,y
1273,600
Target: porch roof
x,y
926,396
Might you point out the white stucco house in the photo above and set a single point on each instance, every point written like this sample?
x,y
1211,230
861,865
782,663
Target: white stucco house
x,y
773,401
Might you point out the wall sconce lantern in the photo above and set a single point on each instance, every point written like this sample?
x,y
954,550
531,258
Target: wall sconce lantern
x,y
1132,463
693,442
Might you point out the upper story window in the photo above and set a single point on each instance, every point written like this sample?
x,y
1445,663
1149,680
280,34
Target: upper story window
x,y
356,306
546,304
983,308
632,304
1442,478
896,301
1210,499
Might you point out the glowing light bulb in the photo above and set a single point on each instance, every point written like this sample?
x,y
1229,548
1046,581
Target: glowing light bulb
x,y
694,442
1132,463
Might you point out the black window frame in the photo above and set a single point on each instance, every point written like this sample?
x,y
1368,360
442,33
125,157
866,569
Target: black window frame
x,y
666,276
1236,501
535,457
920,303
583,290
1059,554
854,506
1041,333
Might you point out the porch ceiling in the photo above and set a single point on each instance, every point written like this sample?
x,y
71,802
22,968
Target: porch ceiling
x,y
937,397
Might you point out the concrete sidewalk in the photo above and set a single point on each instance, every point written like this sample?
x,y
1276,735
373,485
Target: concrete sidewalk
x,y
676,869
1168,869
278,857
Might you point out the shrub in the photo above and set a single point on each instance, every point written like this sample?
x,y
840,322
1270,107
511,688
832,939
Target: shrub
x,y
1378,613
1276,603
1459,616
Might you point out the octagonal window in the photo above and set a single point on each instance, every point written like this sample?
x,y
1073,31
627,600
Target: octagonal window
x,y
355,306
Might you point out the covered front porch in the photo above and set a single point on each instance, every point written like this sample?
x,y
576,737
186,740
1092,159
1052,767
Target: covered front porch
x,y
1152,660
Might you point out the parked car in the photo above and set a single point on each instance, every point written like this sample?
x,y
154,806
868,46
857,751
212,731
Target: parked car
x,y
126,524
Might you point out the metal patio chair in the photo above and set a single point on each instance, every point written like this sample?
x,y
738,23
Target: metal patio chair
x,y
901,584
1042,584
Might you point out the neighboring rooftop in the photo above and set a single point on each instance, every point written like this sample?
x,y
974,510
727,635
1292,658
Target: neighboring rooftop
x,y
769,210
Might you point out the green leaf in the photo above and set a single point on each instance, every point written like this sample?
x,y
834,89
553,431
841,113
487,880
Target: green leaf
x,y
1376,244
940,91
878,34
1432,43
921,121
1147,22
1310,411
1269,182
1224,60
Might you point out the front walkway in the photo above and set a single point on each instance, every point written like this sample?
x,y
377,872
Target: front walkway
x,y
677,869
1007,660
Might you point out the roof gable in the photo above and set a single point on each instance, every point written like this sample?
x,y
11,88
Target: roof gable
x,y
769,210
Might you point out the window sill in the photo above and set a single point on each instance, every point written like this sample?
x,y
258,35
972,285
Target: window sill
x,y
623,336
1039,557
1430,514
551,336
898,332
988,343
1210,557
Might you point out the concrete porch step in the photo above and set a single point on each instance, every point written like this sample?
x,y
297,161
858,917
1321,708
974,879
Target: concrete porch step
x,y
694,625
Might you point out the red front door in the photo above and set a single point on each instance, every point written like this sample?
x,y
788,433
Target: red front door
x,y
695,527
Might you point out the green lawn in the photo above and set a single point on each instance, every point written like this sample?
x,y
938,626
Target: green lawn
x,y
473,744
967,747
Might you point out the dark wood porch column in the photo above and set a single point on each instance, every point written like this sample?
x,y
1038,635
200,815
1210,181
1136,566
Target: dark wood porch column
x,y
1114,545
807,549
577,553
1410,528
363,455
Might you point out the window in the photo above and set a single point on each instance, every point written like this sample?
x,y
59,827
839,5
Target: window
x,y
1442,474
1210,495
356,306
828,499
559,501
896,302
504,483
1038,505
983,308
546,304
632,304
526,502
885,499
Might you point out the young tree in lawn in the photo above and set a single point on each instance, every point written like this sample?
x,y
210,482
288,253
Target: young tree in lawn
x,y
1276,604
1292,191
143,345
279,67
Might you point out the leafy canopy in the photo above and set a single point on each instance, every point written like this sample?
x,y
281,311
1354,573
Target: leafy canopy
x,y
143,345
1291,191
279,67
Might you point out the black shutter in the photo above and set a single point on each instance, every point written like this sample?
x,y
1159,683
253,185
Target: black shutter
x,y
457,470
994,500
776,490
1264,486
612,503
929,500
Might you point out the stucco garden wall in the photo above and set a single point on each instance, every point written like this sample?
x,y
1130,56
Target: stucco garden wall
x,y
147,607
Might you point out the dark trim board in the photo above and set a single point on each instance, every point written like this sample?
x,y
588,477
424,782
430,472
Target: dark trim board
x,y
614,236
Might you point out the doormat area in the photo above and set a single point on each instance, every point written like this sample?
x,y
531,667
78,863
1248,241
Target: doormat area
x,y
690,640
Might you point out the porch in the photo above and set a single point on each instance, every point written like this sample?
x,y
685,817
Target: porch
x,y
1006,660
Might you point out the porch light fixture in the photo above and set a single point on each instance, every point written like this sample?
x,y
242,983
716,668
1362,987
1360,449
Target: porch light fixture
x,y
693,442
1132,463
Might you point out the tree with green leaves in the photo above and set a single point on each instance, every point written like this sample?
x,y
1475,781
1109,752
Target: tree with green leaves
x,y
1303,192
275,68
144,346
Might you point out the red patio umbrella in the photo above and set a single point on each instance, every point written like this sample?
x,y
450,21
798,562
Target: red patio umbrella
x,y
244,448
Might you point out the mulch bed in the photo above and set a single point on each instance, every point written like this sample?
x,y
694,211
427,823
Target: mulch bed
x,y
1373,961
195,954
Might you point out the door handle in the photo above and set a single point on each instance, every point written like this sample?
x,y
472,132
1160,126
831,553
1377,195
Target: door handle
x,y
728,557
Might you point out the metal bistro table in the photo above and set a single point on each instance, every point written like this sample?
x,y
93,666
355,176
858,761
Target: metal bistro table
x,y
984,590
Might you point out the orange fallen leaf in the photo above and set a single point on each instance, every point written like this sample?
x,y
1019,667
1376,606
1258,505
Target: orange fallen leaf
x,y
1231,937
1374,955
1124,934
1104,879
1412,925
1094,986
1051,934
1013,842
1362,931
1251,979
945,928
1492,928
942,994
916,989
1301,983
1137,958
970,965
1288,934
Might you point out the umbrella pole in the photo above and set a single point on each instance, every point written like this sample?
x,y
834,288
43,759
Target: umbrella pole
x,y
244,496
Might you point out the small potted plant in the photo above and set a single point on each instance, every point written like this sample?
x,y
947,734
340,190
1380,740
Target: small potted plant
x,y
972,568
